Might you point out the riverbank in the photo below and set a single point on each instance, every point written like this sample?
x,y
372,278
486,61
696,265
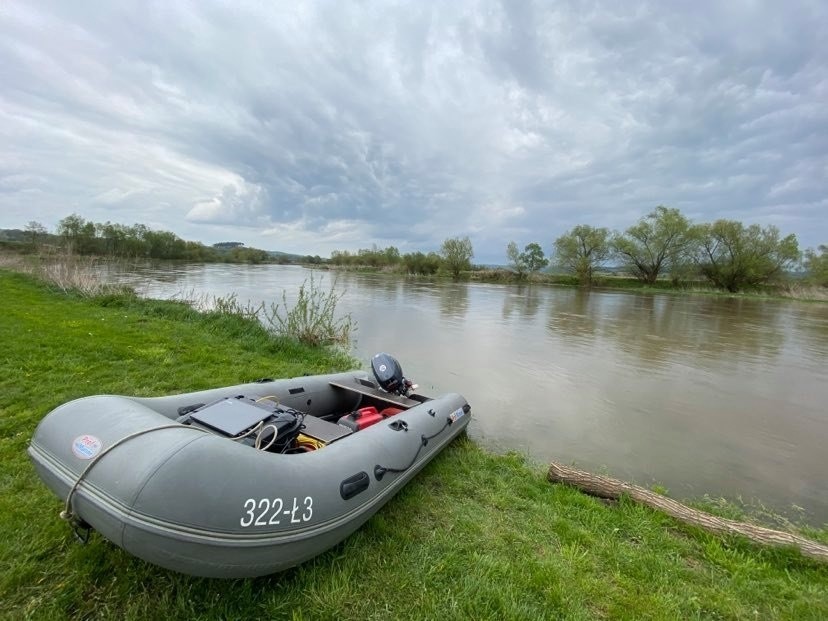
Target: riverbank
x,y
795,290
474,535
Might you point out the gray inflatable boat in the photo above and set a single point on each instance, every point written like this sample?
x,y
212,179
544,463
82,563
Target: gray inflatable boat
x,y
245,480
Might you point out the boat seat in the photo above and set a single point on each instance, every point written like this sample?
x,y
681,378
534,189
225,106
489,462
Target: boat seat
x,y
386,398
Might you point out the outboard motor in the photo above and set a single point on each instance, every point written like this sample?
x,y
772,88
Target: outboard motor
x,y
389,374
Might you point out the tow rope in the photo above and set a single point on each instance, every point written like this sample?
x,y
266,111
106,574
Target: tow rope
x,y
380,471
67,514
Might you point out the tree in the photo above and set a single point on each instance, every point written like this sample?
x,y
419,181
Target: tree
x,y
733,256
34,231
657,243
419,263
515,259
77,234
391,255
530,260
457,254
817,265
166,245
583,249
533,257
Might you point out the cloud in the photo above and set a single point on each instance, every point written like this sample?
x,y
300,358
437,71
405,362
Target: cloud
x,y
302,126
239,205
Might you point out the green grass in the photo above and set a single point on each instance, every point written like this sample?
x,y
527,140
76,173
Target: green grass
x,y
474,536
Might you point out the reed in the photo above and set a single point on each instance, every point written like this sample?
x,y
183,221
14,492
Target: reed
x,y
65,271
804,291
312,320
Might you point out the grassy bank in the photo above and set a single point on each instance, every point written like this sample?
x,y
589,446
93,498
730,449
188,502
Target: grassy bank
x,y
474,536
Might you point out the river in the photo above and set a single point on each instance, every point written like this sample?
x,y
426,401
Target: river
x,y
700,394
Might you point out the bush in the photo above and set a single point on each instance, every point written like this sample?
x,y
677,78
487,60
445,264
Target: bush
x,y
312,320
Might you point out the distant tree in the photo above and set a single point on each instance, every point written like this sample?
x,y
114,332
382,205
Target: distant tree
x,y
83,237
373,257
391,255
370,256
515,259
733,256
240,254
656,244
78,235
530,260
418,263
164,245
533,257
339,257
583,249
457,254
195,251
817,265
35,232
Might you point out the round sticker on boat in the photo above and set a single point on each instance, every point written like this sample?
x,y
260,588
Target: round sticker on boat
x,y
86,446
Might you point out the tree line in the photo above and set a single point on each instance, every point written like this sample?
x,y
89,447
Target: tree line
x,y
84,237
454,257
666,244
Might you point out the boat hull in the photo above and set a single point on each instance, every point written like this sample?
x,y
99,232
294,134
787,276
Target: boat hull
x,y
194,502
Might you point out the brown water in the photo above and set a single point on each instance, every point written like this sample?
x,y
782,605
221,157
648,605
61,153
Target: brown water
x,y
704,395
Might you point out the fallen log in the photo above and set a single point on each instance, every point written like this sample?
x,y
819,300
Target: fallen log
x,y
606,487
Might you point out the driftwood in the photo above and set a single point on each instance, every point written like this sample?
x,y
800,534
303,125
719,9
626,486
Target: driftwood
x,y
606,487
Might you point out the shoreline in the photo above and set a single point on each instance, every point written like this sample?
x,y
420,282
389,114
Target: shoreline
x,y
803,293
793,291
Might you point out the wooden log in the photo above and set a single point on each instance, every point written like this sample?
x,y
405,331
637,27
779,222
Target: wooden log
x,y
606,487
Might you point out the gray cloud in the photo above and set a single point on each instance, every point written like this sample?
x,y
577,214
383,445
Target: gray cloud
x,y
319,126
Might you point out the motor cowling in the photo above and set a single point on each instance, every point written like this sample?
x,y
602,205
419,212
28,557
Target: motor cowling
x,y
389,373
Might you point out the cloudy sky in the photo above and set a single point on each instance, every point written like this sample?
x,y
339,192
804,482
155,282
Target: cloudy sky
x,y
314,126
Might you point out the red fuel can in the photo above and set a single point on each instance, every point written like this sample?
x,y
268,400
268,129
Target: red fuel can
x,y
388,412
361,418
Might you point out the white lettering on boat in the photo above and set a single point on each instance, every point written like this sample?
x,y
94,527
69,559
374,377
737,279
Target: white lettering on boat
x,y
256,511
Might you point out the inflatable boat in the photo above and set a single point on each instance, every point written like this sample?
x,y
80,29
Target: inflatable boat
x,y
244,480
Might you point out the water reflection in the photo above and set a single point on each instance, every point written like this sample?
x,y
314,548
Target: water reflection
x,y
525,300
814,319
662,328
454,300
576,312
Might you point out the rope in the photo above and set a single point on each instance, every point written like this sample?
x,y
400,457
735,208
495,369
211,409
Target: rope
x,y
67,514
380,471
258,443
272,398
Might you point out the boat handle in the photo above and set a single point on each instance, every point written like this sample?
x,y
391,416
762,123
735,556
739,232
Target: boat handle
x,y
353,485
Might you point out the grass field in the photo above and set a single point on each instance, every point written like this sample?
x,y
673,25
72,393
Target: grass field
x,y
474,536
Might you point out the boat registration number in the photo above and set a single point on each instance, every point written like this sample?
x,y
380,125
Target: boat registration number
x,y
271,511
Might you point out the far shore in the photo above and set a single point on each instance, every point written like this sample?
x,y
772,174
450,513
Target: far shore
x,y
603,281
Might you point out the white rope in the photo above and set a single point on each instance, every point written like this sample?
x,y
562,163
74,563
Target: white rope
x,y
67,514
272,440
